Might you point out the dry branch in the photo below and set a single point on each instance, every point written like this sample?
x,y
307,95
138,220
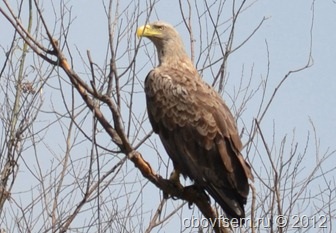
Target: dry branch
x,y
117,134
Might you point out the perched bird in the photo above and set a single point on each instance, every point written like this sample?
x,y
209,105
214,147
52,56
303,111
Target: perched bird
x,y
195,126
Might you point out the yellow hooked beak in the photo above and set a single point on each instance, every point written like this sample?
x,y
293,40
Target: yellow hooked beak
x,y
147,31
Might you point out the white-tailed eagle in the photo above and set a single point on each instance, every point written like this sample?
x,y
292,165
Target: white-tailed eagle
x,y
195,126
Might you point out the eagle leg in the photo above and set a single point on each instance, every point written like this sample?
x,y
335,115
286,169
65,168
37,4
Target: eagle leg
x,y
175,177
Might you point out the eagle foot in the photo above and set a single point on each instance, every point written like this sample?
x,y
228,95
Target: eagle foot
x,y
175,182
198,191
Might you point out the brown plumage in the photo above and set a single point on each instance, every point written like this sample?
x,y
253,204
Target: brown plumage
x,y
194,124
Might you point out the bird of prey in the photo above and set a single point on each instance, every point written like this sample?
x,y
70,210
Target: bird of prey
x,y
194,124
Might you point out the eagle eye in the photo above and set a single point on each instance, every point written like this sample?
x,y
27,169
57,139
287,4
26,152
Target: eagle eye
x,y
160,27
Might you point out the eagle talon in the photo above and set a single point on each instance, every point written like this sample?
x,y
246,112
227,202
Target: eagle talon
x,y
174,198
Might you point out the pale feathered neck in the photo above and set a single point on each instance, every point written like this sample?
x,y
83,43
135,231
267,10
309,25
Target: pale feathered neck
x,y
171,53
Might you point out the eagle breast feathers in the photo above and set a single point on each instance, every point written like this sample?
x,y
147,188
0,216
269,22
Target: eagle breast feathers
x,y
176,99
